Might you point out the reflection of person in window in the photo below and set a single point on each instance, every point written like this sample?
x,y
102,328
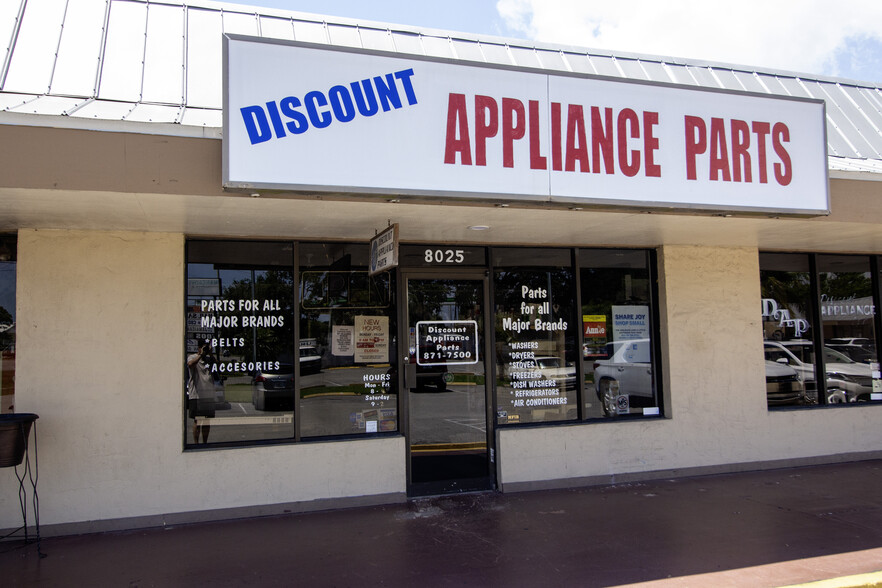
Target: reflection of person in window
x,y
201,391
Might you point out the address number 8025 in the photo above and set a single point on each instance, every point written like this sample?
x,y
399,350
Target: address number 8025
x,y
444,256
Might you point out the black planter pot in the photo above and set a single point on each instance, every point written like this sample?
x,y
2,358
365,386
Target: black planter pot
x,y
14,431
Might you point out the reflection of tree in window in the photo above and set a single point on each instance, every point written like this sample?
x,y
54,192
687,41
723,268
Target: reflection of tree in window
x,y
846,285
790,290
272,342
427,306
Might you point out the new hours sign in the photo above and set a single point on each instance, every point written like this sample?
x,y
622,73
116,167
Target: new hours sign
x,y
318,118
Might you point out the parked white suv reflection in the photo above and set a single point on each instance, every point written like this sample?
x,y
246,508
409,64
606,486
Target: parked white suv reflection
x,y
627,372
847,380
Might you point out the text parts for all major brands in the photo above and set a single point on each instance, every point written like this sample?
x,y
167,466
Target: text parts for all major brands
x,y
535,378
238,314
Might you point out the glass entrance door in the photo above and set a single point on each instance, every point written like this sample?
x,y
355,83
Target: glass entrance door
x,y
446,386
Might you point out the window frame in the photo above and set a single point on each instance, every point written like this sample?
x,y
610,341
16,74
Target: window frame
x,y
817,324
539,254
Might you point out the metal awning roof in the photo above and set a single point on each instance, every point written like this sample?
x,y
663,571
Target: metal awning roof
x,y
112,64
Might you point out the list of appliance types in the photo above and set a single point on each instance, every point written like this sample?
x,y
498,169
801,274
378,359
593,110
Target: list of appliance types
x,y
532,377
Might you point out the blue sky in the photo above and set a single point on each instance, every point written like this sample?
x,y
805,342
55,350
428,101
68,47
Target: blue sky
x,y
811,36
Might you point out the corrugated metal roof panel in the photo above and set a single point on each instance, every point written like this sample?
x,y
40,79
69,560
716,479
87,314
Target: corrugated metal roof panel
x,y
794,87
33,57
551,60
437,46
123,66
10,100
104,110
605,65
154,57
406,42
375,39
728,80
495,53
76,68
866,101
773,84
344,35
202,117
204,59
856,117
276,28
48,105
467,50
8,23
704,77
750,82
859,147
579,63
522,57
655,71
680,74
632,69
310,32
164,56
239,23
154,113
854,165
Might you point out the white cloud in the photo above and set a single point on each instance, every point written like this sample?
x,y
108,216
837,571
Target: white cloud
x,y
797,35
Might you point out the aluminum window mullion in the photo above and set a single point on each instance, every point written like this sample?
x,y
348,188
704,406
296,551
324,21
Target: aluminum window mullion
x,y
877,298
580,340
297,318
818,334
655,332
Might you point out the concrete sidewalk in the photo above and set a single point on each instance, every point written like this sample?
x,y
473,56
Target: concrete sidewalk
x,y
770,528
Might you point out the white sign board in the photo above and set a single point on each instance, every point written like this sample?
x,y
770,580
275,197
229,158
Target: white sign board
x,y
631,329
371,339
343,340
318,118
384,250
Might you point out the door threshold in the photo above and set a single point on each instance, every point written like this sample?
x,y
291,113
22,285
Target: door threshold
x,y
450,487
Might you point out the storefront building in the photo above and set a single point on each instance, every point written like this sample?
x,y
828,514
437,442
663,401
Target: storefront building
x,y
294,263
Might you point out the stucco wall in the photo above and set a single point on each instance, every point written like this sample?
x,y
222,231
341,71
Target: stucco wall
x,y
99,352
714,386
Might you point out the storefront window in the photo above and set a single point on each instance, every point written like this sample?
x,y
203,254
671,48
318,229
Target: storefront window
x,y
536,337
239,376
257,369
617,330
785,282
7,323
348,384
845,307
848,315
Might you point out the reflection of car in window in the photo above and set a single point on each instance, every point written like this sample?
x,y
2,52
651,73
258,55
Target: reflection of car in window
x,y
274,389
552,368
847,380
783,385
858,353
627,372
310,361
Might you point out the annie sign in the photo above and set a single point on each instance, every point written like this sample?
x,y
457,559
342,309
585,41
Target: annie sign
x,y
318,118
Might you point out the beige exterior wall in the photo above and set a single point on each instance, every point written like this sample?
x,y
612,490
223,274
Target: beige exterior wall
x,y
99,359
714,386
99,351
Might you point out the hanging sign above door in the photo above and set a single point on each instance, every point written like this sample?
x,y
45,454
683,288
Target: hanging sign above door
x,y
384,250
